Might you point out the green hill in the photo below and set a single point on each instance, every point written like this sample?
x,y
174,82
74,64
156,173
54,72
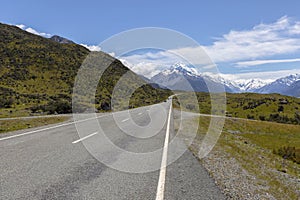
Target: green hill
x,y
37,76
264,107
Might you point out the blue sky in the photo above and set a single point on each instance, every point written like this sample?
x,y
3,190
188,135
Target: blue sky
x,y
241,37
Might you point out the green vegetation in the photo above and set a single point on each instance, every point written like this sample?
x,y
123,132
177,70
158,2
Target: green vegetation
x,y
264,107
37,76
291,153
18,124
267,150
267,147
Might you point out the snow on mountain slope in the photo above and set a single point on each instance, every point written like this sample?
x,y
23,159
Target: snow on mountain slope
x,y
251,85
182,77
283,85
177,76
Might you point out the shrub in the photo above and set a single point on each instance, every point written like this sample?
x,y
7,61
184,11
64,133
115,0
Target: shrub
x,y
290,153
6,102
262,118
190,107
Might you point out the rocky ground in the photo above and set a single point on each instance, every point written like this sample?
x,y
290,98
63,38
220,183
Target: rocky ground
x,y
241,169
237,182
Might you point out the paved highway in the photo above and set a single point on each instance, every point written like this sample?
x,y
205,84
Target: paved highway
x,y
52,163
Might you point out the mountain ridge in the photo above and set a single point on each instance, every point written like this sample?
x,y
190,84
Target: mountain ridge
x,y
286,85
62,40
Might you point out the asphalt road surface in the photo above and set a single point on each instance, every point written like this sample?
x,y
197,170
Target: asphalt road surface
x,y
53,162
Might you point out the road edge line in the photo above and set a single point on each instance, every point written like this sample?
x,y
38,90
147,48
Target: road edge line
x,y
162,175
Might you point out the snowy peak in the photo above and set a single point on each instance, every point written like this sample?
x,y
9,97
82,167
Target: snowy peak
x,y
287,85
288,80
251,85
180,69
174,77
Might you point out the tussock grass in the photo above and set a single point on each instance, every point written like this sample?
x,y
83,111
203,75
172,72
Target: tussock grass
x,y
18,124
251,144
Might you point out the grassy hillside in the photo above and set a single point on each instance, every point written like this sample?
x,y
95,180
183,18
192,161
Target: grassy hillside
x,y
37,76
264,107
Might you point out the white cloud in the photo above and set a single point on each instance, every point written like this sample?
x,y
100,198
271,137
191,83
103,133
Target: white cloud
x,y
281,37
146,69
112,54
21,26
262,62
92,47
267,75
242,48
295,29
33,31
150,63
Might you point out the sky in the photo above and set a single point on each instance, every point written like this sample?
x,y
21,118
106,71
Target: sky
x,y
253,39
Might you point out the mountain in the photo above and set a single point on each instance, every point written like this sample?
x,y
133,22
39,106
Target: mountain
x,y
288,85
250,85
37,75
294,89
61,40
181,77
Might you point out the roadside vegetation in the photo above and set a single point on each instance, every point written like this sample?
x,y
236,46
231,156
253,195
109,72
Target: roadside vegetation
x,y
18,124
258,153
263,107
253,159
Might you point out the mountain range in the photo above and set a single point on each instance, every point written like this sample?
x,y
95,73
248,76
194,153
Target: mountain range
x,y
181,77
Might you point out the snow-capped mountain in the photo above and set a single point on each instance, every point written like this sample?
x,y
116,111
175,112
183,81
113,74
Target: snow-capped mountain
x,y
250,85
294,89
286,85
182,77
180,68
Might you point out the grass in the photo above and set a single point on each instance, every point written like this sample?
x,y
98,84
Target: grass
x,y
251,144
19,124
263,107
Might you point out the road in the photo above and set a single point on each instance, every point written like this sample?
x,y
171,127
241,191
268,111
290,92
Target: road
x,y
53,162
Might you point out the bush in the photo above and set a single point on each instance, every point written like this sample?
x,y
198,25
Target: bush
x,y
61,107
190,107
6,102
262,118
54,107
280,108
290,153
250,116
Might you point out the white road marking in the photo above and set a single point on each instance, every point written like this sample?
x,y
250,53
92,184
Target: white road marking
x,y
86,137
35,131
125,120
49,128
148,110
53,127
33,117
140,113
163,168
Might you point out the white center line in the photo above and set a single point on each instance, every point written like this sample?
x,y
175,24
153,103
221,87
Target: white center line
x,y
140,113
86,137
163,168
125,120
